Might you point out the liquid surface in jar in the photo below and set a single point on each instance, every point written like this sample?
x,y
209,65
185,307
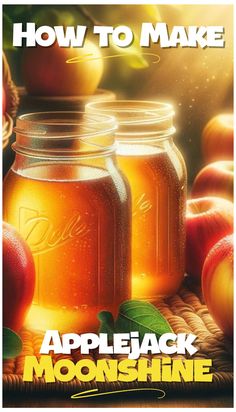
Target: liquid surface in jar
x,y
158,188
76,222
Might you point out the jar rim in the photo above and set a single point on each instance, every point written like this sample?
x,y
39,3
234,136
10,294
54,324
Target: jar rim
x,y
141,118
64,133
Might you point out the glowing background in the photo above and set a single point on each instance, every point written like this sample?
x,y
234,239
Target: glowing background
x,y
198,82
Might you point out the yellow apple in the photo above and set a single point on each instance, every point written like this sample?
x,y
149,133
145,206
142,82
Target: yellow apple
x,y
47,72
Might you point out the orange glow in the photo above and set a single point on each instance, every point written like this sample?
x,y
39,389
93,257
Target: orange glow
x,y
226,120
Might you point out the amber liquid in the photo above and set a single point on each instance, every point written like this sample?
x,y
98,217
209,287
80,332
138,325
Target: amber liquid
x,y
76,221
158,187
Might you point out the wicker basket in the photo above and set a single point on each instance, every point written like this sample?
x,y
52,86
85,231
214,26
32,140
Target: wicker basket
x,y
185,313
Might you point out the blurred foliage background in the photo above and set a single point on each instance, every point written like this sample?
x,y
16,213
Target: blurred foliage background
x,y
199,83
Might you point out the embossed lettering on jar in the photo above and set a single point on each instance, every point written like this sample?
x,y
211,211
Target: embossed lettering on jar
x,y
157,175
66,196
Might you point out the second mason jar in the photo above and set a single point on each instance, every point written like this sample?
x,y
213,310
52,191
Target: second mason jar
x,y
71,204
157,175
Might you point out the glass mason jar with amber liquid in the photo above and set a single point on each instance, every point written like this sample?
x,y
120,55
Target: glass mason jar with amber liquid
x,y
67,198
157,175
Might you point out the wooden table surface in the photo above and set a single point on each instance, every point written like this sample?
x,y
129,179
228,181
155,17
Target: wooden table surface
x,y
118,401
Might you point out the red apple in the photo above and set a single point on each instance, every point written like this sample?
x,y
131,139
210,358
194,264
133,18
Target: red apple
x,y
218,138
215,179
208,220
18,278
217,284
47,73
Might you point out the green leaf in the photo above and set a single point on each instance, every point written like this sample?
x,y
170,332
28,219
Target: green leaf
x,y
54,17
21,10
141,316
12,344
132,54
107,323
135,316
7,33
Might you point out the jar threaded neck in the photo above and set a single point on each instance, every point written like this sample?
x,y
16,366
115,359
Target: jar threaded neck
x,y
64,134
137,119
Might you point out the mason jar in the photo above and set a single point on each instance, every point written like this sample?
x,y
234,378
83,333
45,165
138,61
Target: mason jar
x,y
156,171
66,196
